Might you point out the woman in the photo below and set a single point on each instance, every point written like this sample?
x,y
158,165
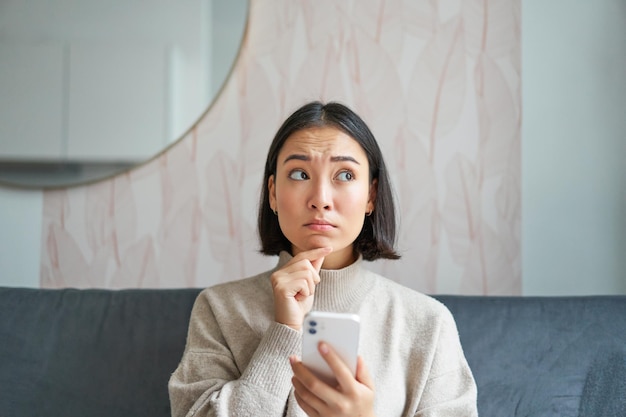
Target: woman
x,y
326,206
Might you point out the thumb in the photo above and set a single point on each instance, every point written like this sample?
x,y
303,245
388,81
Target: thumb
x,y
317,263
363,374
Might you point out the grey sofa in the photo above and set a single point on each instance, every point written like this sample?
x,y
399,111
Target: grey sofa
x,y
94,353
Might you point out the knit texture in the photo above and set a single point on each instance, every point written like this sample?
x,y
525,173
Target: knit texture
x,y
236,358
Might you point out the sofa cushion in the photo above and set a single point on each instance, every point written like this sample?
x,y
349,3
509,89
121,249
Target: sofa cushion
x,y
604,394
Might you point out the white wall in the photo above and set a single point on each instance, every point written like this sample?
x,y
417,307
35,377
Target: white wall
x,y
20,237
574,147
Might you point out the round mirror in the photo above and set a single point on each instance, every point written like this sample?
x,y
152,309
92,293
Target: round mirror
x,y
90,88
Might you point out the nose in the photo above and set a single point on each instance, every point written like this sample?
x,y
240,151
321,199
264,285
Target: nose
x,y
320,197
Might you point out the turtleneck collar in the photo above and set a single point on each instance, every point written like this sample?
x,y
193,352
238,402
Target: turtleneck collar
x,y
339,290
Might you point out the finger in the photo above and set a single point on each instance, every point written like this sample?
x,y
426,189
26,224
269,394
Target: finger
x,y
307,386
310,411
315,256
308,379
306,399
317,264
304,282
299,282
363,374
344,376
305,290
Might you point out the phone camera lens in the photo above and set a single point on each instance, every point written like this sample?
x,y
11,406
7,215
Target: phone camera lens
x,y
312,331
313,323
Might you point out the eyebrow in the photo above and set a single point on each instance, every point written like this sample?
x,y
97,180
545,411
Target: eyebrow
x,y
340,158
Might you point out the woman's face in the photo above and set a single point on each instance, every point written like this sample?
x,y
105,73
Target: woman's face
x,y
322,192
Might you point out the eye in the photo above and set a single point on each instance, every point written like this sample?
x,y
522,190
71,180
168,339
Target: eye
x,y
298,175
345,176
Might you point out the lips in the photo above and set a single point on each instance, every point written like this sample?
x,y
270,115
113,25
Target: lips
x,y
320,225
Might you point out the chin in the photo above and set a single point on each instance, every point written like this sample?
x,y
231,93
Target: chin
x,y
317,245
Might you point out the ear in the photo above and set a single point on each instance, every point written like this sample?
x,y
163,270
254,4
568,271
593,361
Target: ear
x,y
371,201
271,186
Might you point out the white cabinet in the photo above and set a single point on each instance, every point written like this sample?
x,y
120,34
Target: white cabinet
x,y
87,83
31,101
85,102
117,101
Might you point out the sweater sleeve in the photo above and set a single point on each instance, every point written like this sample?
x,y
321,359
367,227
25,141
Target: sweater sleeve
x,y
209,381
450,389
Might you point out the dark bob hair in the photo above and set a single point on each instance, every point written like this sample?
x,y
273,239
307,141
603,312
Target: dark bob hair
x,y
377,237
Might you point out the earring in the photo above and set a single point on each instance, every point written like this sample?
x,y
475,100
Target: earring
x,y
275,212
369,213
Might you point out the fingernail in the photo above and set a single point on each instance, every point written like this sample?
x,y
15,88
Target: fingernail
x,y
292,360
323,348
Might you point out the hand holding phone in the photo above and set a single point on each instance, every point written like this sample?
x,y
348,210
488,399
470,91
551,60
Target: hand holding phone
x,y
340,331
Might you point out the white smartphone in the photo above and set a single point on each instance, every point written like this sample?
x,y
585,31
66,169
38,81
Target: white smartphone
x,y
340,331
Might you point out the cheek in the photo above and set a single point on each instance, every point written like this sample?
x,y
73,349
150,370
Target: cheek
x,y
287,196
354,199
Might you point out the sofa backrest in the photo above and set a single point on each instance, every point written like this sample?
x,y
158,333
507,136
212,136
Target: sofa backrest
x,y
90,353
110,353
545,356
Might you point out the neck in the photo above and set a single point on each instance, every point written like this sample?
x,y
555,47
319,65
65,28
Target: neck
x,y
339,260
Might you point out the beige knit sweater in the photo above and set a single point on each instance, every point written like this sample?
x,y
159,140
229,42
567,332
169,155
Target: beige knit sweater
x,y
236,359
